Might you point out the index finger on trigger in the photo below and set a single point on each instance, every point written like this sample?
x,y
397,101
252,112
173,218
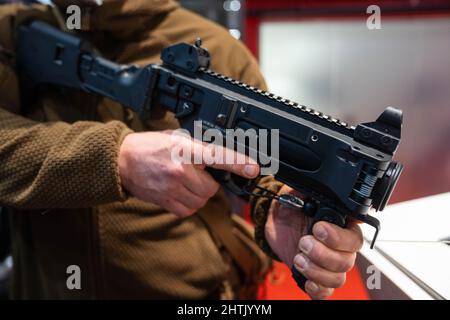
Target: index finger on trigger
x,y
218,157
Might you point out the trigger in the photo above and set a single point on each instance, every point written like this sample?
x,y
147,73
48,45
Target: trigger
x,y
375,223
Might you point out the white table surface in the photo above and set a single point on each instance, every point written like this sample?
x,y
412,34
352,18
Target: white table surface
x,y
407,250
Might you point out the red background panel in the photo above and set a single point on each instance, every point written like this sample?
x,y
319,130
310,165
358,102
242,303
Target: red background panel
x,y
279,285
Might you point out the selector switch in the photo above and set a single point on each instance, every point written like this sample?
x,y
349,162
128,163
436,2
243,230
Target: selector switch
x,y
184,109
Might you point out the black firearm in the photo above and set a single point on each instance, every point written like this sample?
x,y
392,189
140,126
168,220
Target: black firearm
x,y
342,171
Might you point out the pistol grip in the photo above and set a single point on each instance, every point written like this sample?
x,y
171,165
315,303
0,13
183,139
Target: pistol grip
x,y
321,214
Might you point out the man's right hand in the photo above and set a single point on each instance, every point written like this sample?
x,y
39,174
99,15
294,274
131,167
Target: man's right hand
x,y
149,173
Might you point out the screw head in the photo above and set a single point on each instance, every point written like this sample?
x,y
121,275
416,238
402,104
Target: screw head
x,y
187,92
198,42
221,119
366,133
385,140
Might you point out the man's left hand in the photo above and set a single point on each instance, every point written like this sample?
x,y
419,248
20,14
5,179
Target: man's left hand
x,y
324,257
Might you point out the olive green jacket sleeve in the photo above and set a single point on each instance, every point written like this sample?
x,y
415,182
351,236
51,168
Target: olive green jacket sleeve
x,y
58,165
46,165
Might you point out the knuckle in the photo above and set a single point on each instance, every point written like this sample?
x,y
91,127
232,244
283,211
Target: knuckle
x,y
209,186
172,188
325,293
339,280
177,172
310,274
345,264
316,296
146,184
203,202
310,271
360,241
198,203
213,190
317,253
349,265
205,193
165,187
350,262
317,292
320,294
184,212
190,211
165,170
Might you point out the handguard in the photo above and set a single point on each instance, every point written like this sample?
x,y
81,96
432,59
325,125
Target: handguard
x,y
341,170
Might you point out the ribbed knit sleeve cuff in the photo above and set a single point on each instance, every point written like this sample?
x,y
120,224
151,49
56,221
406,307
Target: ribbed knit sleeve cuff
x,y
259,208
59,165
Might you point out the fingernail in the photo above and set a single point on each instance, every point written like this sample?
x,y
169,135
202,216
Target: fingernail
x,y
320,232
250,170
300,262
312,287
306,245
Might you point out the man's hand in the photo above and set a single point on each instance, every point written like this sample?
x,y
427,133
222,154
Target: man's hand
x,y
324,257
148,171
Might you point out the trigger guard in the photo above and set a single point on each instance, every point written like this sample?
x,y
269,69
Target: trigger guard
x,y
230,184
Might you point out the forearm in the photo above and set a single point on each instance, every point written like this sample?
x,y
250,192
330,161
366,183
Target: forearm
x,y
49,165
